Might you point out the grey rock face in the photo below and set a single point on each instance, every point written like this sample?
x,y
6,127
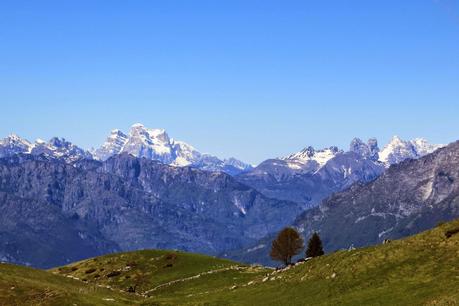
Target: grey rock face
x,y
368,150
54,209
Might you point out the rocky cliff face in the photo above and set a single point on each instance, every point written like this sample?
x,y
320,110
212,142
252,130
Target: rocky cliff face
x,y
54,212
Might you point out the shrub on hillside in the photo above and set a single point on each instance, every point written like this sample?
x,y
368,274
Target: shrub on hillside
x,y
314,246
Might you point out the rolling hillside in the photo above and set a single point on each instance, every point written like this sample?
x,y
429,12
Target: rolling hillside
x,y
419,270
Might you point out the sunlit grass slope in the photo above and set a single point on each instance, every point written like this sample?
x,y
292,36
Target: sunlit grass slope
x,y
420,270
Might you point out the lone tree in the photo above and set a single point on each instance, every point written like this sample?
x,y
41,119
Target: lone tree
x,y
314,246
287,244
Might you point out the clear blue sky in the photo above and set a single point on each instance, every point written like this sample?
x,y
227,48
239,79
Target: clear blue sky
x,y
250,79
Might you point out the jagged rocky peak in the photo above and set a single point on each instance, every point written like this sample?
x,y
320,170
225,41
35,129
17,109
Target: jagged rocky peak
x,y
148,135
55,147
398,150
13,144
367,150
424,147
185,154
113,145
60,148
233,162
374,148
56,142
309,154
156,144
149,143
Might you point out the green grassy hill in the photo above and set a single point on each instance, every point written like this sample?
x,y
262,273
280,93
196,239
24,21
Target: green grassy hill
x,y
26,286
420,270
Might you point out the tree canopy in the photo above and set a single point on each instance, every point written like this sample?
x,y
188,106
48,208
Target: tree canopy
x,y
287,244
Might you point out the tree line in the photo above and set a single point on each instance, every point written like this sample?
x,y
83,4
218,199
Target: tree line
x,y
289,243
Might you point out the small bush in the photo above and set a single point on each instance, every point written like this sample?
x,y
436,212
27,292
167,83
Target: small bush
x,y
113,273
169,265
74,269
451,232
171,256
89,271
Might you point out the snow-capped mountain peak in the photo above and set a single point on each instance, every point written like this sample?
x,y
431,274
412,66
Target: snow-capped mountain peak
x,y
149,143
59,148
424,147
185,154
156,144
13,144
112,146
310,154
398,150
310,159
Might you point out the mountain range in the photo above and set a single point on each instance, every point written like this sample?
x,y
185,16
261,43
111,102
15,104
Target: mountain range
x,y
155,144
311,175
146,190
141,142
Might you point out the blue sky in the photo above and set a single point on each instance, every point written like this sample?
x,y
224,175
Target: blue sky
x,y
250,79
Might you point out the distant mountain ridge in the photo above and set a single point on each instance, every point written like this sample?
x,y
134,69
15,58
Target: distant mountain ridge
x,y
305,177
398,150
55,147
155,144
141,142
311,175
